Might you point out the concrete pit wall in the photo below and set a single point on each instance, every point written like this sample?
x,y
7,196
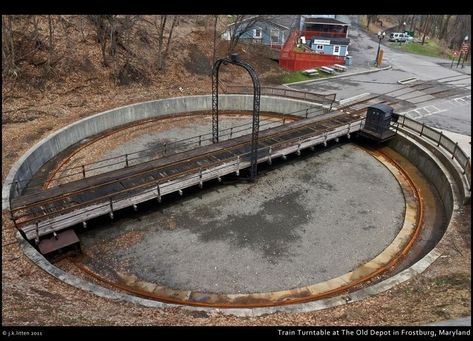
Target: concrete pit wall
x,y
433,170
454,169
421,157
53,144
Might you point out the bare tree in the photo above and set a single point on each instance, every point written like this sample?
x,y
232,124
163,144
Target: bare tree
x,y
161,28
50,40
241,25
436,26
444,31
11,43
81,28
369,19
412,23
113,44
163,48
168,43
460,29
67,37
401,19
35,21
426,25
99,22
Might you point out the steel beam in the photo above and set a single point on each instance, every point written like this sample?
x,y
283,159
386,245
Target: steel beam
x,y
235,60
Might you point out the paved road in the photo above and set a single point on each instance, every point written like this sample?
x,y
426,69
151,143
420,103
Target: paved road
x,y
439,114
451,115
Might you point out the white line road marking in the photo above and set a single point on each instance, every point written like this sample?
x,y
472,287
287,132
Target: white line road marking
x,y
438,108
412,114
462,100
346,100
423,111
435,109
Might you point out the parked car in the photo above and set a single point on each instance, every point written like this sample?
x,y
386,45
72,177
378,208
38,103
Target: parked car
x,y
399,37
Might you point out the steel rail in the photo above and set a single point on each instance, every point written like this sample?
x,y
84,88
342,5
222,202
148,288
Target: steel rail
x,y
234,147
179,161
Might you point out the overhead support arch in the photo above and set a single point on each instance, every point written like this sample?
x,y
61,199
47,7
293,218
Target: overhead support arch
x,y
234,59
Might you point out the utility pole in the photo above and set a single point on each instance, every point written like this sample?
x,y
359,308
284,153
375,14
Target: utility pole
x,y
381,36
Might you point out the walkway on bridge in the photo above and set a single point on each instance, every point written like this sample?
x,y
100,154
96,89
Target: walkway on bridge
x,y
57,208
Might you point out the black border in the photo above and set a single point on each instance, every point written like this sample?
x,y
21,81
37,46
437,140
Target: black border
x,y
190,7
278,332
226,7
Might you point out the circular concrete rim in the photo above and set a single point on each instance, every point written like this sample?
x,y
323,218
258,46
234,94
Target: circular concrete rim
x,y
417,268
401,244
282,297
384,285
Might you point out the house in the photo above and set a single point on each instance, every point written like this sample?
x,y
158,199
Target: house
x,y
327,36
321,41
266,30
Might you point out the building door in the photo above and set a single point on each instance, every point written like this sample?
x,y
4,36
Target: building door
x,y
336,50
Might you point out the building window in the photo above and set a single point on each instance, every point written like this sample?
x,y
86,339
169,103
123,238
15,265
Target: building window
x,y
257,33
336,50
274,36
319,47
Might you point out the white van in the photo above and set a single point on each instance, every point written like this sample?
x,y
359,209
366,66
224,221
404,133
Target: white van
x,y
399,37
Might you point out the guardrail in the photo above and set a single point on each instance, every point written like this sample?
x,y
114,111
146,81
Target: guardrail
x,y
437,137
165,149
327,99
34,228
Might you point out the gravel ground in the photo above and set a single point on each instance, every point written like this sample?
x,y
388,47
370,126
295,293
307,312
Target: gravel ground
x,y
301,223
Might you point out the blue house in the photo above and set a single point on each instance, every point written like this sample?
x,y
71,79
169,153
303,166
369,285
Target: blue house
x,y
327,36
272,31
331,46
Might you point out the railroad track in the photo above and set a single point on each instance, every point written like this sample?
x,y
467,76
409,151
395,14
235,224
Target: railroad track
x,y
29,210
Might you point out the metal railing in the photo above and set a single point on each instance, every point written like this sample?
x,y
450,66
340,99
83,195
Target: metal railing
x,y
156,152
155,189
437,137
324,99
309,34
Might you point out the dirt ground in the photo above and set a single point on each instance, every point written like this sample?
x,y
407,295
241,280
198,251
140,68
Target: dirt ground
x,y
35,108
32,297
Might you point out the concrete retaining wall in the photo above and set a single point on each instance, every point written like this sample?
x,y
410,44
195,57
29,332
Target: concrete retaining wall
x,y
50,146
434,172
454,169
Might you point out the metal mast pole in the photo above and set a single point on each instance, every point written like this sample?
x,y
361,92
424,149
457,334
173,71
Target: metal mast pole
x,y
235,60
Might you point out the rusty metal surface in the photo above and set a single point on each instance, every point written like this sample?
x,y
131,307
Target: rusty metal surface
x,y
63,239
